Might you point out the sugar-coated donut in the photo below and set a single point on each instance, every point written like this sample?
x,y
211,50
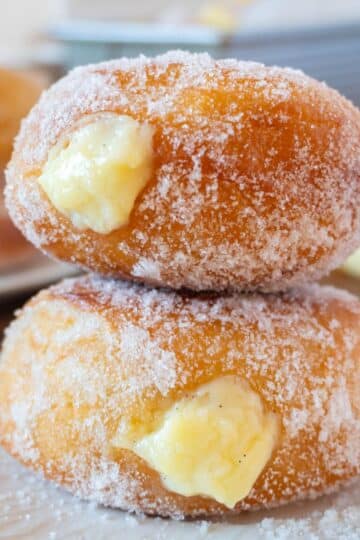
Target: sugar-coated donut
x,y
155,401
245,177
18,93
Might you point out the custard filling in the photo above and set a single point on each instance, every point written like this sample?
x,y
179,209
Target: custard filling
x,y
215,442
94,175
352,264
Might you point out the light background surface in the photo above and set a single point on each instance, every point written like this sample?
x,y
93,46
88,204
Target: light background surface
x,y
31,508
22,21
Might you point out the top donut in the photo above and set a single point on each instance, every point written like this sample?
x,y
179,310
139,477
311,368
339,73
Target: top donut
x,y
185,171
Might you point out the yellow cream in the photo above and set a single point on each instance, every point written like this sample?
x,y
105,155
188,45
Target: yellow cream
x,y
94,176
214,442
352,264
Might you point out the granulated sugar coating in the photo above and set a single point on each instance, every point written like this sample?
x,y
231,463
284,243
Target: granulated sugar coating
x,y
88,354
255,181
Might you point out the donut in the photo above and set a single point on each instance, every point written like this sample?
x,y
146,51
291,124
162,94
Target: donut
x,y
188,172
18,93
178,405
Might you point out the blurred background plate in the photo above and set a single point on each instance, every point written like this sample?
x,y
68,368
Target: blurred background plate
x,y
38,273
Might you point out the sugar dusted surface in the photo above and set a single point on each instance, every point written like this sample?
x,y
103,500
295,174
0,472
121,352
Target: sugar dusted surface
x,y
279,248
147,354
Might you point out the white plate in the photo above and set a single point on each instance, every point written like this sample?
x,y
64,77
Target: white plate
x,y
31,508
38,272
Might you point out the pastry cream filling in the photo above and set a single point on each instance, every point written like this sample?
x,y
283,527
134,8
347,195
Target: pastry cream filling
x,y
214,442
94,176
352,264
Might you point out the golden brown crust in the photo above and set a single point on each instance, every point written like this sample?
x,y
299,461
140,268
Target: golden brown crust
x,y
89,352
255,183
18,93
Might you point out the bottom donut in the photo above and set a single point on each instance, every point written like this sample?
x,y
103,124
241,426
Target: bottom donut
x,y
184,406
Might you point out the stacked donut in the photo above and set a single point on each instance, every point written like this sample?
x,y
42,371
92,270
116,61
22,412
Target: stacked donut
x,y
18,93
221,381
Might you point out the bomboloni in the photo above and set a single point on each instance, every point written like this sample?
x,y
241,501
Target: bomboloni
x,y
184,406
189,172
